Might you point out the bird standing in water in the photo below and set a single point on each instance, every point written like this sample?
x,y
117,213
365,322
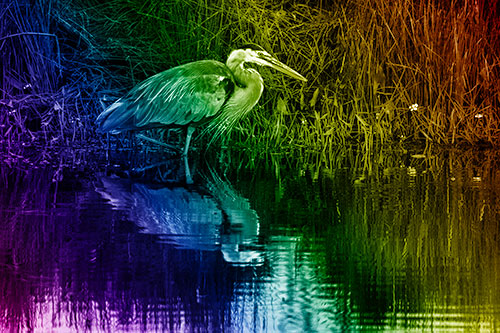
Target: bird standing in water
x,y
205,92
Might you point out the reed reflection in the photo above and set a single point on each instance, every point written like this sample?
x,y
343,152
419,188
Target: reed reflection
x,y
406,244
419,242
69,262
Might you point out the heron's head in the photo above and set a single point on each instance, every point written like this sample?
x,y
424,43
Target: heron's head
x,y
255,54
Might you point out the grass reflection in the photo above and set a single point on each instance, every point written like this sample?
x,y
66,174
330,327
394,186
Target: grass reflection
x,y
431,236
399,240
68,261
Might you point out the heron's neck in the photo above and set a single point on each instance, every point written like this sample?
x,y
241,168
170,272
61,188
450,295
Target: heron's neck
x,y
249,87
246,94
243,76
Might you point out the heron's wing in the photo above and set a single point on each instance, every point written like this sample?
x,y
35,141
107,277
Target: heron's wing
x,y
179,96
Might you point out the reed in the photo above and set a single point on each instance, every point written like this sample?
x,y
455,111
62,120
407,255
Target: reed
x,y
390,72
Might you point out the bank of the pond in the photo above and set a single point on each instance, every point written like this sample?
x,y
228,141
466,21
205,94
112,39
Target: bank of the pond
x,y
378,72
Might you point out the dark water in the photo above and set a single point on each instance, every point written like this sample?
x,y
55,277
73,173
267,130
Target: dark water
x,y
393,242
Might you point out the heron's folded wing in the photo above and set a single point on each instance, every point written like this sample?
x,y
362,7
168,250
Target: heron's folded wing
x,y
181,95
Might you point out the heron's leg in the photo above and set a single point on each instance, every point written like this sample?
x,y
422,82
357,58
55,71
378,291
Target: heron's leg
x,y
189,180
159,143
107,147
190,131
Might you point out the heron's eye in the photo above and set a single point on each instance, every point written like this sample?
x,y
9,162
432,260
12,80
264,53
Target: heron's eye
x,y
247,65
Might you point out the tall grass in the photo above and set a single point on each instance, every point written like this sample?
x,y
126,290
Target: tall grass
x,y
383,72
378,72
442,59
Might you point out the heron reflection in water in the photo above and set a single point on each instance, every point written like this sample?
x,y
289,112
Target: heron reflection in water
x,y
210,216
205,92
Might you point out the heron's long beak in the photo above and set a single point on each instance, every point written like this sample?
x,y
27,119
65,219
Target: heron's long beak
x,y
265,59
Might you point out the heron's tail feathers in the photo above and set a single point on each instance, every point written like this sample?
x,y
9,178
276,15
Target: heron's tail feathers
x,y
115,118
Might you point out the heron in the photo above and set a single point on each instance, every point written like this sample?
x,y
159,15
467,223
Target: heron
x,y
205,92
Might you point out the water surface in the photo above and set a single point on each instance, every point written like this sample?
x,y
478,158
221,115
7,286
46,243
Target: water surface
x,y
398,242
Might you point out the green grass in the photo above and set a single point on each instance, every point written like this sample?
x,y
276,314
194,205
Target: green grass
x,y
367,63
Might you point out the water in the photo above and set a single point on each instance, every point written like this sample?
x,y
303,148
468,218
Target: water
x,y
399,242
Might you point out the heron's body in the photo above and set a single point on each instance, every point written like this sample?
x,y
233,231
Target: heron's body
x,y
194,94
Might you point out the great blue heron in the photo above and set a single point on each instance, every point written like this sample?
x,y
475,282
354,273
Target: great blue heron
x,y
197,93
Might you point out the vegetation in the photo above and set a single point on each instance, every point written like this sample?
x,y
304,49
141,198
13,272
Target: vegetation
x,y
379,72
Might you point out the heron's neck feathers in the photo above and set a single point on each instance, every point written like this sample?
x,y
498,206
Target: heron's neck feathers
x,y
247,91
